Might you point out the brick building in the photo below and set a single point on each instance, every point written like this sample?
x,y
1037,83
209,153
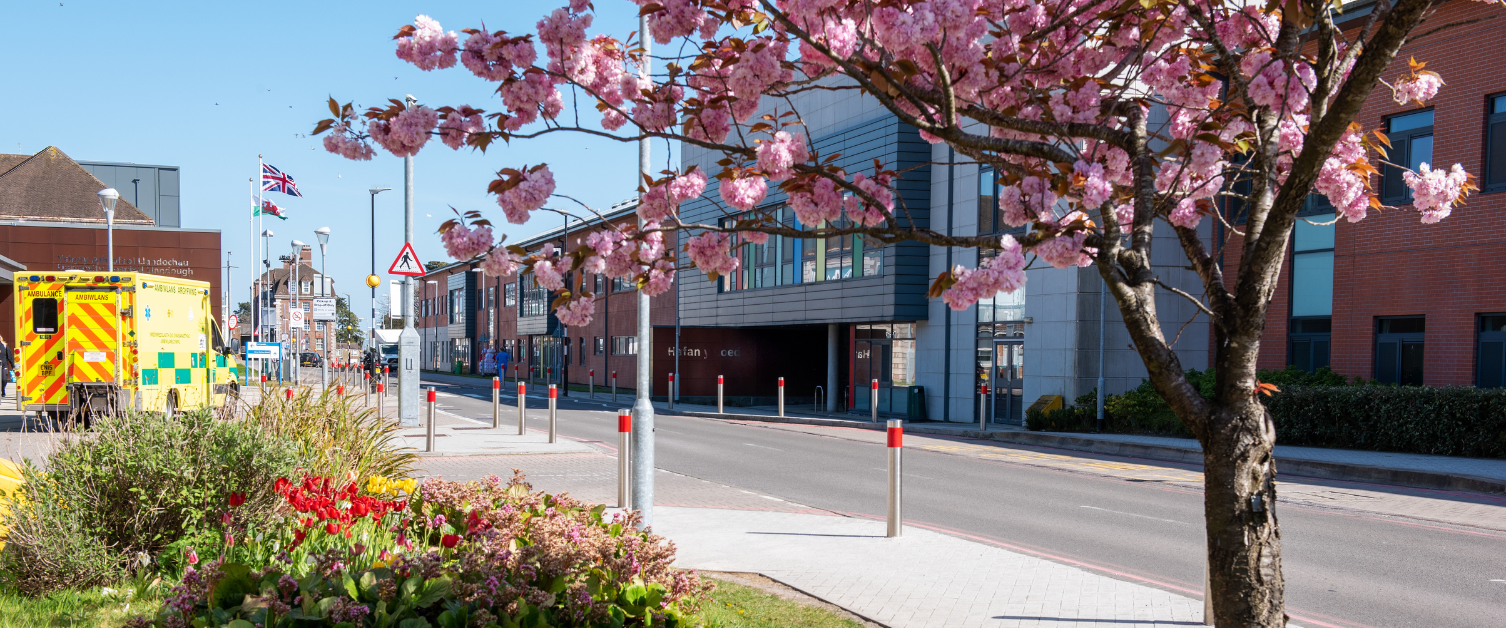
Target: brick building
x,y
275,287
462,313
1389,298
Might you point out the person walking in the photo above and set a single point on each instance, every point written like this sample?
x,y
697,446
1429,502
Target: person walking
x,y
7,367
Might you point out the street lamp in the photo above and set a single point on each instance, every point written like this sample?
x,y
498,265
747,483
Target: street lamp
x,y
293,294
323,234
107,198
372,279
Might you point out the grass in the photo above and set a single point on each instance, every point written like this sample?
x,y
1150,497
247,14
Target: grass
x,y
733,605
99,606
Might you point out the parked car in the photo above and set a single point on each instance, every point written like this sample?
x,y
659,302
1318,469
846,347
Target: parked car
x,y
309,358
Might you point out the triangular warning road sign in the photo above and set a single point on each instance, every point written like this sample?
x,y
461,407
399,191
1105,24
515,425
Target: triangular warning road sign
x,y
407,263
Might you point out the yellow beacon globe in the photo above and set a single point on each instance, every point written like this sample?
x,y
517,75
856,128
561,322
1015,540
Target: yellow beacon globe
x,y
373,281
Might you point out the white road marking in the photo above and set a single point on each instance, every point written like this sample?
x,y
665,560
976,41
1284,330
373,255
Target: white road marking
x,y
761,446
1130,514
908,475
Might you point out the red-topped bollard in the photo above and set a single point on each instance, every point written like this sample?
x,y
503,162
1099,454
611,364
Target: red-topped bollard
x,y
429,429
522,404
340,391
496,400
896,438
624,461
592,385
553,392
781,396
873,401
671,393
614,386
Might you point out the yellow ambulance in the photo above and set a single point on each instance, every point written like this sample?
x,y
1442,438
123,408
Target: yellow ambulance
x,y
92,342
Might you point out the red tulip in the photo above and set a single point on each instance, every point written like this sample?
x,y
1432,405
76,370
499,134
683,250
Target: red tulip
x,y
449,540
359,509
225,518
298,536
229,540
332,527
358,549
193,557
236,499
282,486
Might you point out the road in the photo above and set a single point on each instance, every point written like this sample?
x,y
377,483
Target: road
x,y
1344,567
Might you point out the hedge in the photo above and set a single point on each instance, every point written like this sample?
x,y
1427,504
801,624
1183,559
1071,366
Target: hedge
x,y
1322,409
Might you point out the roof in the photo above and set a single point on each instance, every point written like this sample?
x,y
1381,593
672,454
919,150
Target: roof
x,y
278,278
619,210
51,187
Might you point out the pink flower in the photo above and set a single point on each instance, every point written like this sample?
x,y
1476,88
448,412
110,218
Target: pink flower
x,y
1004,272
758,69
456,128
193,557
576,313
1095,189
548,276
1434,192
493,58
687,186
463,243
1067,249
339,142
406,133
677,18
500,263
660,277
1419,88
1031,200
777,157
712,253
857,208
530,192
526,96
428,47
823,203
744,192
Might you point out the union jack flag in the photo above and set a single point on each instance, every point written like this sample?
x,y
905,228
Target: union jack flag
x,y
274,180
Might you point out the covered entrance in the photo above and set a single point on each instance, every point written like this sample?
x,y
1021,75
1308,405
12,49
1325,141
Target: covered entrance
x,y
1000,388
885,352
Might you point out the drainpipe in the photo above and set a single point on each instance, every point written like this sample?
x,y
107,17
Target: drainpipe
x,y
1102,324
946,352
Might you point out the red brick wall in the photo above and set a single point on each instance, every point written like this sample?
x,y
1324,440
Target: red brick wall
x,y
1390,264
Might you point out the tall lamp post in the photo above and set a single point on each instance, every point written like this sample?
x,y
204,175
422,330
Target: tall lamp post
x,y
261,298
323,234
107,198
296,367
372,280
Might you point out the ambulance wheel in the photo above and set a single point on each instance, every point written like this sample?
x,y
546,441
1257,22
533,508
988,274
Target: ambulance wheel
x,y
170,408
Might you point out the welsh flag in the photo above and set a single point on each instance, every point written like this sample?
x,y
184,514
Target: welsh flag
x,y
269,208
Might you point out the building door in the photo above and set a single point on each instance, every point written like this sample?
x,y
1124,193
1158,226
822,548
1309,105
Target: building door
x,y
1008,383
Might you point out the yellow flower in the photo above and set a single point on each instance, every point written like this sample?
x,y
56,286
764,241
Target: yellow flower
x,y
379,564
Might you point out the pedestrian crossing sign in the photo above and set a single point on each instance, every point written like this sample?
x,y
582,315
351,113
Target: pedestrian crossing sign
x,y
407,263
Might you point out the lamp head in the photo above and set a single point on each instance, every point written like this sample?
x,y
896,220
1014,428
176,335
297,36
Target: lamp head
x,y
374,191
323,235
267,233
107,198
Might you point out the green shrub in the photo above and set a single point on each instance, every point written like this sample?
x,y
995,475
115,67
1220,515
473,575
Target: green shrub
x,y
1452,421
336,435
127,493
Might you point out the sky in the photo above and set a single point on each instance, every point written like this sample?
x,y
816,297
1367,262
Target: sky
x,y
208,86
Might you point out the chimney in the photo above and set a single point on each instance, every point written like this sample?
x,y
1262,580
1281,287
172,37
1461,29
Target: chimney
x,y
308,255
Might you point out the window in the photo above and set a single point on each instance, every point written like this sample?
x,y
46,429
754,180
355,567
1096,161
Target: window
x,y
510,294
44,316
1411,136
535,298
988,201
598,279
308,287
1002,306
618,285
582,342
318,325
320,344
457,305
1491,352
1398,350
600,345
1310,339
839,254
624,345
1495,145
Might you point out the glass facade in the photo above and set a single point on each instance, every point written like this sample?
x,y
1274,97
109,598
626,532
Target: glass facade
x,y
885,352
782,261
999,383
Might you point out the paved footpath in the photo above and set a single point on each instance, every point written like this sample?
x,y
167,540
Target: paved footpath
x,y
923,579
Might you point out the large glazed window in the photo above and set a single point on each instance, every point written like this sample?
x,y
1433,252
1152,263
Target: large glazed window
x,y
1411,136
1398,350
1495,144
44,316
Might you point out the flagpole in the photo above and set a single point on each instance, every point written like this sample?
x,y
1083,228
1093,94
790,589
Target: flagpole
x,y
251,314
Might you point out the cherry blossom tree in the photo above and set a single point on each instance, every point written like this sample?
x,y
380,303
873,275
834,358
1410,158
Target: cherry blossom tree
x,y
1056,95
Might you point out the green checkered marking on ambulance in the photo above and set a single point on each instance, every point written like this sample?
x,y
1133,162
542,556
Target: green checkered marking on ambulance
x,y
183,376
219,360
149,377
166,359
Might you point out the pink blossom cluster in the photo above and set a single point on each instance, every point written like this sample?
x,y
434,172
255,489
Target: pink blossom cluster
x,y
1275,85
744,191
1067,249
429,47
529,194
660,201
492,56
340,142
759,68
1249,27
1419,88
820,204
524,98
1030,200
862,213
651,242
455,128
550,271
1434,192
661,276
577,312
1096,189
613,257
407,132
462,242
656,112
1348,190
501,263
712,253
777,157
678,18
839,35
563,31
1004,272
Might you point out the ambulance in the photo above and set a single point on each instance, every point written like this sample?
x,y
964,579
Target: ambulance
x,y
99,343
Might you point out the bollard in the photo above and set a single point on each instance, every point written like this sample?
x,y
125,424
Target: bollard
x,y
496,401
340,390
429,429
718,394
522,404
896,433
781,396
671,393
593,383
624,461
365,387
552,393
289,394
983,410
873,400
614,386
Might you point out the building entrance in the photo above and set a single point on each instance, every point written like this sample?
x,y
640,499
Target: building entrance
x,y
1000,389
886,353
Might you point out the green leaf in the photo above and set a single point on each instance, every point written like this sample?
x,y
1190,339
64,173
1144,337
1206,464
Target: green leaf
x,y
433,591
349,584
415,622
241,623
233,587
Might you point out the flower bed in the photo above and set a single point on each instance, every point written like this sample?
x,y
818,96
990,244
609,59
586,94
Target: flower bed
x,y
453,554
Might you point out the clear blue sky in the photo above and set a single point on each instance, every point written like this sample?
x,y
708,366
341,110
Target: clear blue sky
x,y
208,86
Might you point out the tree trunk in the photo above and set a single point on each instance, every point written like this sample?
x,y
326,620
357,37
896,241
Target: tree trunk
x,y
1239,502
